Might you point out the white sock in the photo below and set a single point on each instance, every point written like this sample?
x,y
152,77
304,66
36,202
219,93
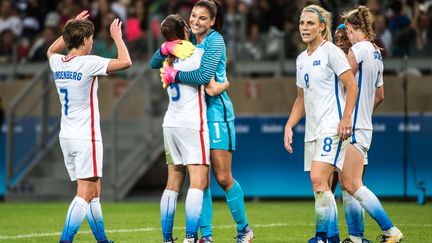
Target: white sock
x,y
95,219
76,213
168,206
193,206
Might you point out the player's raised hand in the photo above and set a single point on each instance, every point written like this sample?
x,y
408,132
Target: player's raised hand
x,y
345,128
115,29
83,15
288,139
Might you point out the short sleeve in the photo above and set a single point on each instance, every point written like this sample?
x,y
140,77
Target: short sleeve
x,y
380,80
337,59
97,66
358,53
299,79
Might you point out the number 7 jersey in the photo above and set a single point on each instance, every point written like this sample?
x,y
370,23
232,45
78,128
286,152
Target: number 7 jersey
x,y
77,84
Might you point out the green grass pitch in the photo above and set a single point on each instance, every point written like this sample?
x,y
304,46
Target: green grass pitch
x,y
279,221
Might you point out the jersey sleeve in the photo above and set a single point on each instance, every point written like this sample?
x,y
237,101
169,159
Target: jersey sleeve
x,y
358,53
53,59
213,50
299,80
380,80
337,60
97,66
157,60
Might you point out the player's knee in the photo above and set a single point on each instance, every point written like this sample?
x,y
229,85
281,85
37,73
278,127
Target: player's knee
x,y
351,186
224,180
318,183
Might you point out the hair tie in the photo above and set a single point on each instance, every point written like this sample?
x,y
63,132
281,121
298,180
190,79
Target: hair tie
x,y
321,18
341,27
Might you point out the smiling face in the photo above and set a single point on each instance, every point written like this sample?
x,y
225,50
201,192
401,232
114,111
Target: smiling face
x,y
310,27
200,21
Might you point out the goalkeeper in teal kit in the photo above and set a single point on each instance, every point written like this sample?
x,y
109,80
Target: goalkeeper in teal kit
x,y
205,22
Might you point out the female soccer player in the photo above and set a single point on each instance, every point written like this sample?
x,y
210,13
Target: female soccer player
x,y
75,76
320,70
206,20
185,127
366,63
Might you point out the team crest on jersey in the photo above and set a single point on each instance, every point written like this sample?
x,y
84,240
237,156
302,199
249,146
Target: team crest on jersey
x,y
377,55
316,63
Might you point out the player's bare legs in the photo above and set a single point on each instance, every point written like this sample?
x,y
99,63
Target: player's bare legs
x,y
221,164
168,203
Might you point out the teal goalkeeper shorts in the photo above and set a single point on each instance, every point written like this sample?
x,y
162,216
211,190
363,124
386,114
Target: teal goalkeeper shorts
x,y
222,135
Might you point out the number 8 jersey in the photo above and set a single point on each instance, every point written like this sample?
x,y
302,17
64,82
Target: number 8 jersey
x,y
77,84
318,75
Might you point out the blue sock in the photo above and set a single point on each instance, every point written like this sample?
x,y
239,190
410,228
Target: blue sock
x,y
373,207
206,214
95,219
333,230
168,206
193,205
353,214
235,199
323,207
75,215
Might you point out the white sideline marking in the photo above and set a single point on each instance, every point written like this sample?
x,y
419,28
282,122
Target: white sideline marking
x,y
148,229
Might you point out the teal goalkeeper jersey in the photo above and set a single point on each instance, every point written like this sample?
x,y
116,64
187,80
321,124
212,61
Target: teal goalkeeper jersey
x,y
213,63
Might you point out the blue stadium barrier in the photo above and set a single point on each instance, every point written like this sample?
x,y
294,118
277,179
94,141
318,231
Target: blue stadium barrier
x,y
265,169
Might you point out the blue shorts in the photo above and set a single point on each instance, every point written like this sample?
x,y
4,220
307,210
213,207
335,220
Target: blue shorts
x,y
222,135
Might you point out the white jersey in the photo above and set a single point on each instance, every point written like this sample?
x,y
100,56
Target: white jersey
x,y
318,75
369,77
187,107
77,84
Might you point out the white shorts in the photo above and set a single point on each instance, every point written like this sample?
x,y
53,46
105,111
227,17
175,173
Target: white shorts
x,y
362,140
83,158
327,148
185,146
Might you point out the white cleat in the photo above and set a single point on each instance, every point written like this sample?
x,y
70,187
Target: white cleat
x,y
189,241
393,235
245,236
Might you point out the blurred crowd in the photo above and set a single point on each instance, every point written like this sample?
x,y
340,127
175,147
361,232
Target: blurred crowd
x,y
253,29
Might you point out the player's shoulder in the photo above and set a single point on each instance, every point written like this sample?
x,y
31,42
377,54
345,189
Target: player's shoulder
x,y
215,38
302,55
330,47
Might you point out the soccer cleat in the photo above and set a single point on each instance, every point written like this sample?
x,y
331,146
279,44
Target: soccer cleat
x,y
333,239
206,239
106,241
394,235
171,240
316,239
190,240
245,235
364,240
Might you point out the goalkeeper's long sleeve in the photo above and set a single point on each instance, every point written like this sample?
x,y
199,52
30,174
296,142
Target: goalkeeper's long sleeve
x,y
214,47
157,60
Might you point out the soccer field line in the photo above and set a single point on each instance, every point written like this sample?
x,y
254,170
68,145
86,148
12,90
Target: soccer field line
x,y
149,229
146,229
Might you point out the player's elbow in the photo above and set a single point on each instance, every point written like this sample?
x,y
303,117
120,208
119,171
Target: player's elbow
x,y
379,97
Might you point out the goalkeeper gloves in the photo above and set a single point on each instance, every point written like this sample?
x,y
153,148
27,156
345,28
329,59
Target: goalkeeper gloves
x,y
168,74
179,48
